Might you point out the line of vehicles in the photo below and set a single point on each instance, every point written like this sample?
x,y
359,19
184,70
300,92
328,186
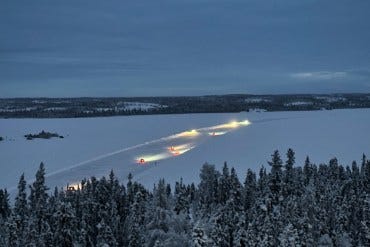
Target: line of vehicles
x,y
171,151
178,144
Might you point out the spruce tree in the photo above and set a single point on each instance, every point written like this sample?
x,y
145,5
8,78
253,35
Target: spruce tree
x,y
4,204
250,189
199,236
21,212
307,170
208,186
250,193
37,224
65,225
12,239
275,176
225,184
181,198
135,221
289,176
105,236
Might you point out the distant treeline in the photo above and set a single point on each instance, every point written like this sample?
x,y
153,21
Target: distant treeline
x,y
94,107
311,205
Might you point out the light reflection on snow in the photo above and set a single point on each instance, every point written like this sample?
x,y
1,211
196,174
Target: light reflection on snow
x,y
140,155
152,158
245,123
180,149
198,136
73,187
231,125
190,133
217,133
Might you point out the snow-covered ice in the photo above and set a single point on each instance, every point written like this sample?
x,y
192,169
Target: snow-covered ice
x,y
94,146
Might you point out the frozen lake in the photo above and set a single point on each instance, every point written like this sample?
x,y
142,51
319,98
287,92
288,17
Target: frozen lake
x,y
94,146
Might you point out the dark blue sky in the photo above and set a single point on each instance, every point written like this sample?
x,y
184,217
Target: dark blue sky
x,y
183,47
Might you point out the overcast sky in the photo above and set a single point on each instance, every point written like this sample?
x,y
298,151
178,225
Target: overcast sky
x,y
67,48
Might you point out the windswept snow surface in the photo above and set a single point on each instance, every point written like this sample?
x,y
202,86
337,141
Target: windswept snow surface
x,y
175,146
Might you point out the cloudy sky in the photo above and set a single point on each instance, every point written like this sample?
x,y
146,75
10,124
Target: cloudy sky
x,y
183,47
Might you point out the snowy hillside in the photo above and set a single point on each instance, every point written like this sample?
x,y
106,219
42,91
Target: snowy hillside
x,y
94,146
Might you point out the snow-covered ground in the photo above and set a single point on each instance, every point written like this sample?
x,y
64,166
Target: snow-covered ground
x,y
93,146
257,100
141,106
299,103
121,106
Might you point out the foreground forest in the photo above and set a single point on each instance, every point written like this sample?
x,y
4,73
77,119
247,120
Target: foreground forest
x,y
286,205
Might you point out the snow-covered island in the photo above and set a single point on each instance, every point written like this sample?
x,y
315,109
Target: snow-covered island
x,y
43,135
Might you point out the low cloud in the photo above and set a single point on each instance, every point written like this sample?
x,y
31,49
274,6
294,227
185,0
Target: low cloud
x,y
320,75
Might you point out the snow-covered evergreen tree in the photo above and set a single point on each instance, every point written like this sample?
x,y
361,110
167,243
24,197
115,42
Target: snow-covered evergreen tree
x,y
21,212
275,180
208,186
199,236
182,200
65,225
135,223
289,176
324,205
38,225
4,204
105,236
289,237
250,190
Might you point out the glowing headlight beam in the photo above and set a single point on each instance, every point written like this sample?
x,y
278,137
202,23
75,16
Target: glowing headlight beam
x,y
152,158
217,133
231,125
190,133
177,147
245,123
183,148
180,149
73,187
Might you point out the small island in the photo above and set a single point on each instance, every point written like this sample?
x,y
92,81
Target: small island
x,y
43,135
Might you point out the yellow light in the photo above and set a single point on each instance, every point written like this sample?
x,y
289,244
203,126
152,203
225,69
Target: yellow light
x,y
234,124
190,133
180,149
245,122
73,187
231,125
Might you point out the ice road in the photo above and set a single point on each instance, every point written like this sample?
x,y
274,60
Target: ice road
x,y
140,157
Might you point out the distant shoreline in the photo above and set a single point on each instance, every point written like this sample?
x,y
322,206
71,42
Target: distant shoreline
x,y
123,106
